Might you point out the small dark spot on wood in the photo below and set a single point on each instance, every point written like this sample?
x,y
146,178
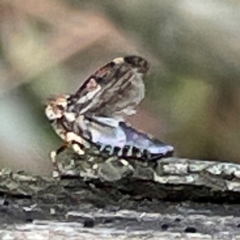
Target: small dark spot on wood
x,y
108,220
6,203
177,220
28,220
89,223
190,230
164,226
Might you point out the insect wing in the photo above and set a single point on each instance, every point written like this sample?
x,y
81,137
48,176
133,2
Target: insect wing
x,y
118,135
105,131
112,91
142,141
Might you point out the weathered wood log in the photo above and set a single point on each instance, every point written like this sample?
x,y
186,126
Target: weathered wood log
x,y
116,199
185,178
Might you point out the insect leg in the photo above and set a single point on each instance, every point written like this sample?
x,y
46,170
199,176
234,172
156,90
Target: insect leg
x,y
71,139
53,156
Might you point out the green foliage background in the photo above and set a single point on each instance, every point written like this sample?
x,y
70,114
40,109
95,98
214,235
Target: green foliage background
x,y
192,99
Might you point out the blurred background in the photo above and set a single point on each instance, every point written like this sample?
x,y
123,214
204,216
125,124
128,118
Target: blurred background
x,y
192,101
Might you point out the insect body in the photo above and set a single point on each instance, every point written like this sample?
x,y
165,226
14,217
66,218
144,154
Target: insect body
x,y
94,115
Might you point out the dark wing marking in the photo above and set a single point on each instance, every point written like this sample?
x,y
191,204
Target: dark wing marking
x,y
99,129
112,91
117,135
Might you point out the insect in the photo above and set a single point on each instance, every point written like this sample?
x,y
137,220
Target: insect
x,y
95,114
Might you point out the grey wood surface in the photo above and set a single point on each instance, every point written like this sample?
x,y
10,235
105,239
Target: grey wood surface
x,y
171,199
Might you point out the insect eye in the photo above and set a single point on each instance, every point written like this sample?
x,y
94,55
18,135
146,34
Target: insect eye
x,y
98,79
70,101
60,107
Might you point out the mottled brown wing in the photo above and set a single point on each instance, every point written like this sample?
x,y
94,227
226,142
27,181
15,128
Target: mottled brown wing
x,y
112,91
